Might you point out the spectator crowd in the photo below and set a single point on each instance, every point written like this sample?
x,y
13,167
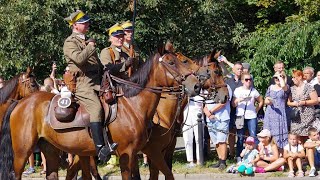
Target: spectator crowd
x,y
289,111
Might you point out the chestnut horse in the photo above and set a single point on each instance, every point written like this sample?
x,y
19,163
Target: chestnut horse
x,y
25,126
17,88
202,74
163,138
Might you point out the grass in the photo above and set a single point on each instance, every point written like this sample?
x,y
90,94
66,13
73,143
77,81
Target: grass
x,y
179,167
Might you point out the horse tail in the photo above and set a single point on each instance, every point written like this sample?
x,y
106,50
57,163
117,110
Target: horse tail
x,y
6,155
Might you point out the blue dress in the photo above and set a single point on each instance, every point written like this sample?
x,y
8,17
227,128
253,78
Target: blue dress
x,y
275,118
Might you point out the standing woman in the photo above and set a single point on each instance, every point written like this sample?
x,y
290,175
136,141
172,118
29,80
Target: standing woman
x,y
275,118
245,98
302,97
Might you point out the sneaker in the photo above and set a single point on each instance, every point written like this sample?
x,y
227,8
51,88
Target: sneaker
x,y
230,169
222,166
300,174
260,170
191,165
312,172
29,171
216,165
291,174
281,168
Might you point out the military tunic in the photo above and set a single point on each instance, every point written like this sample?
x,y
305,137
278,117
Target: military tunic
x,y
119,69
137,61
83,61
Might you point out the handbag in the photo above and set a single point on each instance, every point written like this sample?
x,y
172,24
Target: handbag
x,y
294,113
240,119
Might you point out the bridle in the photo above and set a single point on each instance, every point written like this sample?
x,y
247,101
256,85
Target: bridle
x,y
174,72
26,83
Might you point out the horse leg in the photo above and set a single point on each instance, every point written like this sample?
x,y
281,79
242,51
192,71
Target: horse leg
x,y
51,154
94,168
135,169
73,168
127,163
85,167
169,152
158,161
154,171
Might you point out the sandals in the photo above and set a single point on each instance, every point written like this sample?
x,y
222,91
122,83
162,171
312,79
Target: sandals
x,y
300,174
291,174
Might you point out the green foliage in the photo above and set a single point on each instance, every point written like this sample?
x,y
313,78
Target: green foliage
x,y
297,44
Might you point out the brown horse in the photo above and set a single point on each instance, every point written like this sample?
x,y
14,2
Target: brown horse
x,y
202,74
163,72
17,88
163,138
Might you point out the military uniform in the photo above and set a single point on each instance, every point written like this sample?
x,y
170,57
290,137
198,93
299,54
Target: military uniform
x,y
114,55
85,65
83,61
137,62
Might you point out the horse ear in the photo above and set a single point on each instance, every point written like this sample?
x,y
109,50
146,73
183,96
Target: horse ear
x,y
213,57
29,71
169,46
161,49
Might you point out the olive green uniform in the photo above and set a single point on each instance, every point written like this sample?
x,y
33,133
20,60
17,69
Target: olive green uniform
x,y
119,69
83,61
137,61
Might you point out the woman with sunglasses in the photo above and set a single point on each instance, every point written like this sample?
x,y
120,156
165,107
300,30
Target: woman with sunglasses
x,y
245,98
275,118
302,97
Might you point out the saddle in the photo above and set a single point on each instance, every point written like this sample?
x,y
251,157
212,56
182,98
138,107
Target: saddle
x,y
75,116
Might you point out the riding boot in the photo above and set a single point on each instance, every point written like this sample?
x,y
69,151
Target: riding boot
x,y
103,151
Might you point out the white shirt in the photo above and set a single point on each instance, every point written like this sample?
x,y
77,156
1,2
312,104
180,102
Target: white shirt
x,y
293,149
222,114
241,92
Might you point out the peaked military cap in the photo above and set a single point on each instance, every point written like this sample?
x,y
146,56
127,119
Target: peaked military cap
x,y
77,17
115,30
127,25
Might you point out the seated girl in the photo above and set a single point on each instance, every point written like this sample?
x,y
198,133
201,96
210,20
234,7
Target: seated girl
x,y
270,159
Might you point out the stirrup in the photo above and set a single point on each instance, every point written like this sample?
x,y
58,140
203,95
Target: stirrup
x,y
105,152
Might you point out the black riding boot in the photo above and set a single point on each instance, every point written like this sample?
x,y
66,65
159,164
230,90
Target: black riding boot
x,y
103,151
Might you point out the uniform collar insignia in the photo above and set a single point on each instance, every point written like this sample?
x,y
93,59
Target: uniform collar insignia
x,y
81,36
118,49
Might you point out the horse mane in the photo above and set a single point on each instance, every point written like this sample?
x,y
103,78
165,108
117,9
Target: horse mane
x,y
140,77
7,89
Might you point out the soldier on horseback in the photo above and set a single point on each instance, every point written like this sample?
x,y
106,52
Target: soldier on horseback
x,y
113,57
85,66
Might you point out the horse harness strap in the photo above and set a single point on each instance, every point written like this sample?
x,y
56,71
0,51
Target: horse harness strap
x,y
169,90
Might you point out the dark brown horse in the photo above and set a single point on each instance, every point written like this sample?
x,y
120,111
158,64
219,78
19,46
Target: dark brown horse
x,y
163,72
169,115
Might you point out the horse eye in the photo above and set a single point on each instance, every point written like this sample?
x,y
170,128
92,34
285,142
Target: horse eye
x,y
185,61
171,62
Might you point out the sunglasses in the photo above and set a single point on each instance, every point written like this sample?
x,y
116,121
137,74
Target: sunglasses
x,y
248,79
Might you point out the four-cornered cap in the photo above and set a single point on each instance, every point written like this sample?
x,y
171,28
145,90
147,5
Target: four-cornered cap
x,y
77,17
264,133
115,30
250,140
127,25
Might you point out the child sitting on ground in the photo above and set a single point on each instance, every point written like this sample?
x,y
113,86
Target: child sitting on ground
x,y
270,159
312,146
293,153
249,157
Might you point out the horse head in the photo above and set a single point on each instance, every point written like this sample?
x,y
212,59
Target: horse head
x,y
215,85
27,83
172,72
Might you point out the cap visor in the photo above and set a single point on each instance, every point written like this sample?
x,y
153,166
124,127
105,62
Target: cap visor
x,y
84,19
